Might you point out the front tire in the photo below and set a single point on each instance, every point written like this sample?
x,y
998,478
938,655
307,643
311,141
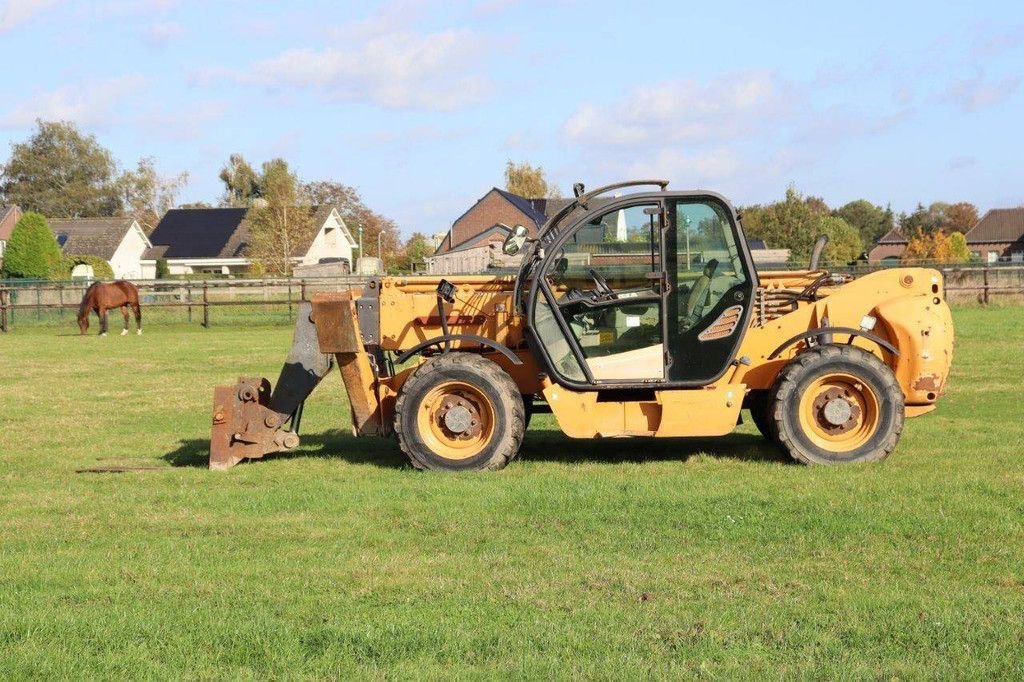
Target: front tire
x,y
836,404
459,412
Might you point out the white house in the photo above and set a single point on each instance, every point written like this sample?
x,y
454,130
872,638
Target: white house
x,y
214,240
119,241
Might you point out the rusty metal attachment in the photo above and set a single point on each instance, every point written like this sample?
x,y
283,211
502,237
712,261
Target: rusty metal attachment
x,y
249,418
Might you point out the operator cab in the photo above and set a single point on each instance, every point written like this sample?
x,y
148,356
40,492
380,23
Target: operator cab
x,y
649,290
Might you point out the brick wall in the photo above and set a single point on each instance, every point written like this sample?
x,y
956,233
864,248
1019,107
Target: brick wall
x,y
489,211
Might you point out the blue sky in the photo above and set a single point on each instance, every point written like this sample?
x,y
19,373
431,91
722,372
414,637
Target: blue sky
x,y
420,103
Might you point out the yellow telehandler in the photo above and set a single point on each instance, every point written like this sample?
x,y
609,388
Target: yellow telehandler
x,y
635,315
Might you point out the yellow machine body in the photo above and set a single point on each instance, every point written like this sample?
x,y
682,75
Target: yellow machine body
x,y
907,305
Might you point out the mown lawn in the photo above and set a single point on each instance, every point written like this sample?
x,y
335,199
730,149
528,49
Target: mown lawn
x,y
615,559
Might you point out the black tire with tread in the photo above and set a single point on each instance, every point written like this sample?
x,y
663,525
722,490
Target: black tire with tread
x,y
784,404
488,378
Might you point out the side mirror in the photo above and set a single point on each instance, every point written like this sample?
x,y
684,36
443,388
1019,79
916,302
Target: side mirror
x,y
514,241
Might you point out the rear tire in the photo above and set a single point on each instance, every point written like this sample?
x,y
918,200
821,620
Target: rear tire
x,y
459,412
836,404
758,405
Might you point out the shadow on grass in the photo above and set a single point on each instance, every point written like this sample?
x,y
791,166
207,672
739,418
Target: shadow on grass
x,y
539,445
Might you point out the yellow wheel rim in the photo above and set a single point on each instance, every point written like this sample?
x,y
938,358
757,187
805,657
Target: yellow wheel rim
x,y
456,420
839,412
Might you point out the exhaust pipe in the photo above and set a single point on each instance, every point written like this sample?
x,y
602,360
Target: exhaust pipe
x,y
819,246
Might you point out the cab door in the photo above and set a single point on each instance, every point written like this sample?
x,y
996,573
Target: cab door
x,y
599,312
711,281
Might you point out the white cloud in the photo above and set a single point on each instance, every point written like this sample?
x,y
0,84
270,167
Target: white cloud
x,y
399,70
744,131
15,12
95,104
681,111
978,92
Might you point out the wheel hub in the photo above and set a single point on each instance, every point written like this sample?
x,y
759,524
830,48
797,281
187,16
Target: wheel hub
x,y
460,417
836,410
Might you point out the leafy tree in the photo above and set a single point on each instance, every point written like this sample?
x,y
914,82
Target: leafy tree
x,y
937,247
146,195
793,223
871,221
242,184
959,252
912,222
844,241
282,223
528,181
60,171
417,247
32,251
961,216
356,215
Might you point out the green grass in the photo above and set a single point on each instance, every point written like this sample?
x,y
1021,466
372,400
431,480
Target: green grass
x,y
613,559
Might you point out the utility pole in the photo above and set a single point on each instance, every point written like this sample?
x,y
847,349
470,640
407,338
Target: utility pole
x,y
380,249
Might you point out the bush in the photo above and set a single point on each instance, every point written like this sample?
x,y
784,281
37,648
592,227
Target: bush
x,y
32,251
162,271
100,268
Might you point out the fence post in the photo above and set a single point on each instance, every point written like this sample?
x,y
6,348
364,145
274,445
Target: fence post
x,y
289,298
984,274
60,294
206,304
3,310
302,290
188,298
39,301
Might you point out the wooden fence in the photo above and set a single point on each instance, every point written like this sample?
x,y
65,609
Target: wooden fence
x,y
35,302
208,301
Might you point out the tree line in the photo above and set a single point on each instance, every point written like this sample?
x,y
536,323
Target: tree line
x,y
935,232
62,172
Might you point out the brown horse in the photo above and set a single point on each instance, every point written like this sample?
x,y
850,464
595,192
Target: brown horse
x,y
104,296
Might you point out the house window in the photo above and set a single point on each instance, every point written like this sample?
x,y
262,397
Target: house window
x,y
993,256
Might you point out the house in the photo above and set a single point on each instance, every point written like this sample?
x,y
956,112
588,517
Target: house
x,y
889,249
9,217
473,243
119,241
998,236
214,240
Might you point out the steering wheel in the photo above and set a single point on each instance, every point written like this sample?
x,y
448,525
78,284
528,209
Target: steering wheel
x,y
601,286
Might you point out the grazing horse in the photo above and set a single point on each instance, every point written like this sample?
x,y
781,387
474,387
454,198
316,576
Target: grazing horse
x,y
103,296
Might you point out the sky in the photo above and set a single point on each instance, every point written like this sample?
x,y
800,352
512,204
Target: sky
x,y
419,104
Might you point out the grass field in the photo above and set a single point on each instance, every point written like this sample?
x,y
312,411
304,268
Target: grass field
x,y
615,559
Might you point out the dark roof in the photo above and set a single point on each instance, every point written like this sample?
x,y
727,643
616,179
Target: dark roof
x,y
199,232
525,205
757,245
215,233
998,225
893,236
483,237
91,236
